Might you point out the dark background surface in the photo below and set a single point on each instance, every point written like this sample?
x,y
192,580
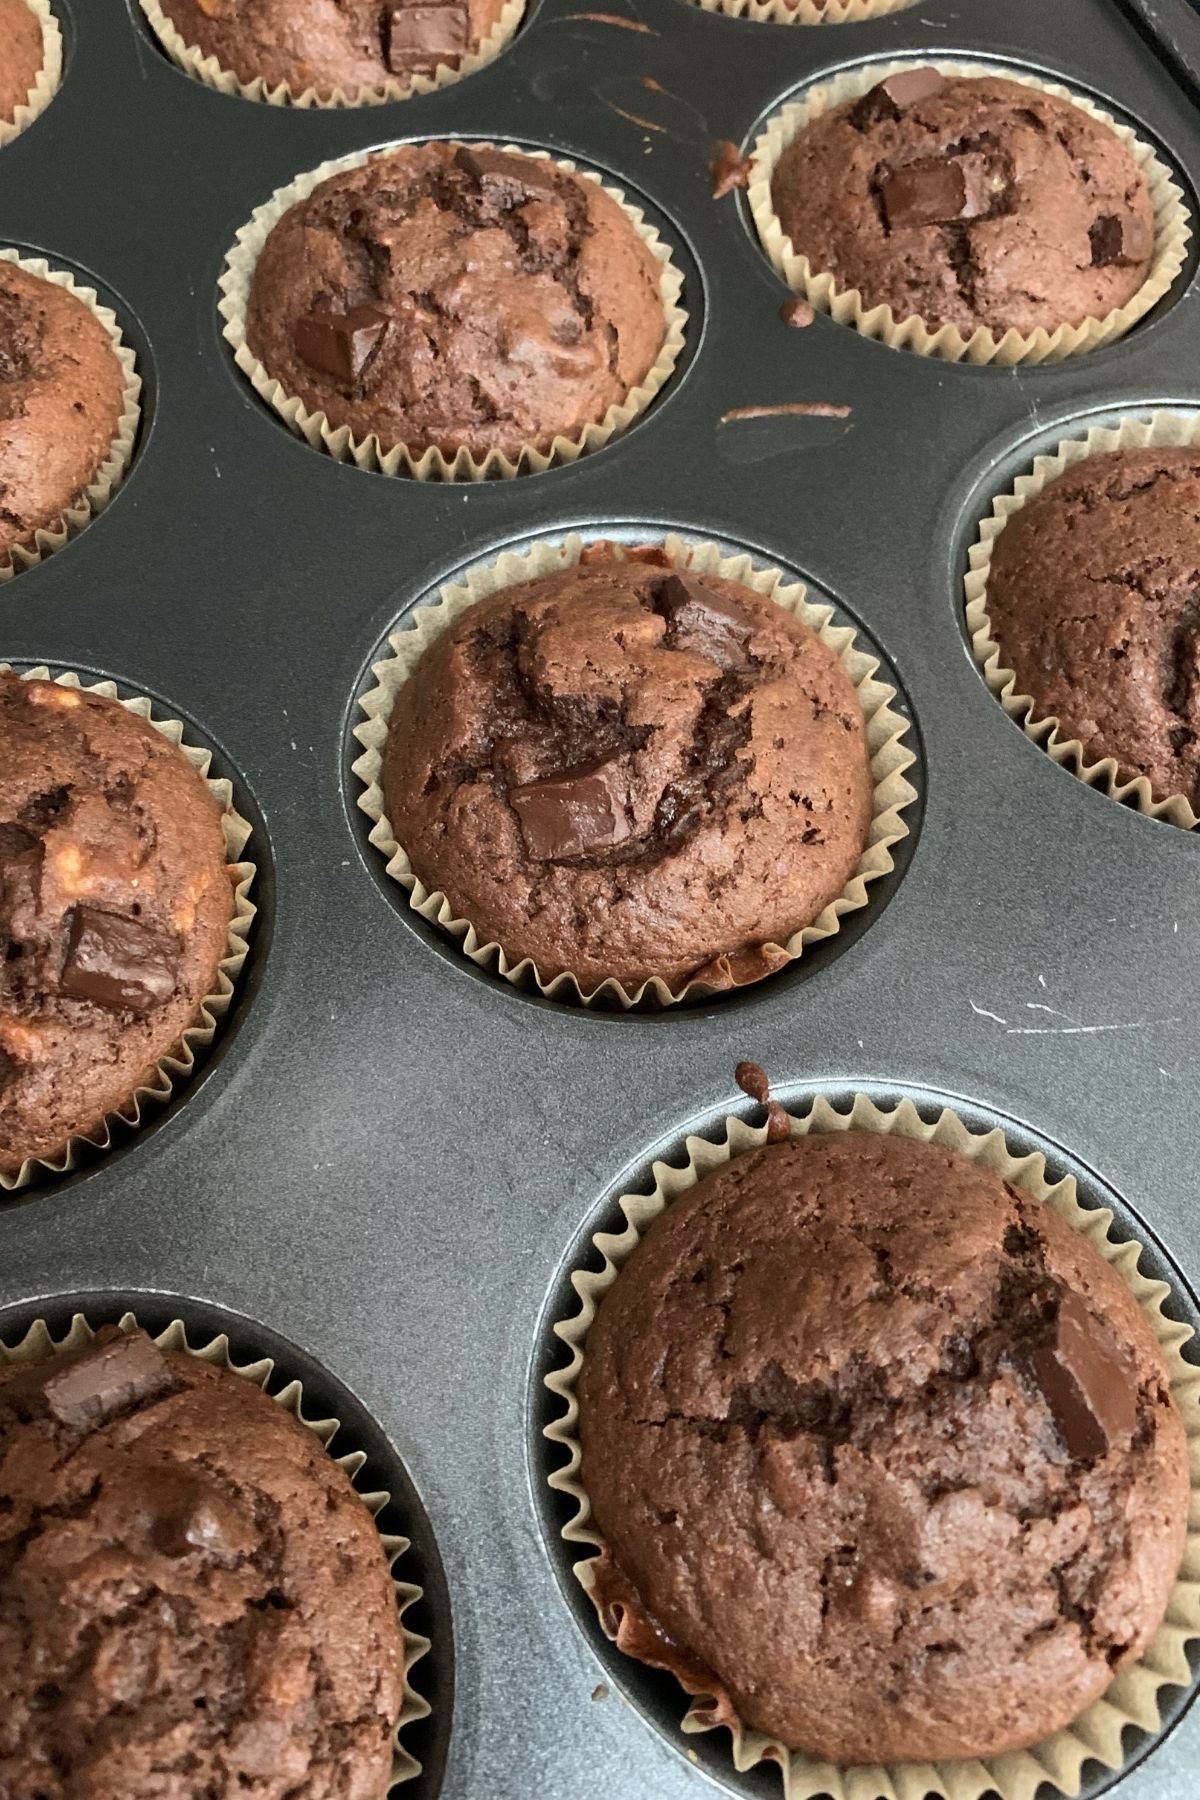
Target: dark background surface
x,y
391,1159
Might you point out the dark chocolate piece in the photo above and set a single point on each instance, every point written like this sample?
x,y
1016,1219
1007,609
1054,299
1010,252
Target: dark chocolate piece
x,y
1107,238
340,344
507,180
715,626
575,813
191,1513
421,37
730,169
797,311
929,192
888,98
117,962
1087,1385
113,1375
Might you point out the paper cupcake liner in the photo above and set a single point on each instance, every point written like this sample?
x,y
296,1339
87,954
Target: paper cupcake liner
x,y
1131,1699
432,464
1162,428
49,76
804,12
886,734
39,1342
197,1038
99,490
1172,231
208,70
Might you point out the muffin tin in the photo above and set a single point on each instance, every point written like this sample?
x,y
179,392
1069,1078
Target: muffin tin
x,y
391,1159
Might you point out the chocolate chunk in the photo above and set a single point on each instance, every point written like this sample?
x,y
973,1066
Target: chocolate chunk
x,y
730,169
420,37
504,180
1087,1385
928,192
797,311
888,98
575,813
20,884
713,625
81,1392
116,962
1115,241
191,1513
340,344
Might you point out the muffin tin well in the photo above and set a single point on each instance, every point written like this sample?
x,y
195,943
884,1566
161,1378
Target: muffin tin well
x,y
386,1160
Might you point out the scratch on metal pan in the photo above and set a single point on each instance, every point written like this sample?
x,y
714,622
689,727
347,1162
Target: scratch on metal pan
x,y
810,409
603,18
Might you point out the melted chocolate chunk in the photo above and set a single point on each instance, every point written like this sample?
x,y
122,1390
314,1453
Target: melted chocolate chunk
x,y
888,98
575,813
708,622
927,192
506,181
1087,1385
340,345
116,1374
1107,238
191,1513
116,962
418,38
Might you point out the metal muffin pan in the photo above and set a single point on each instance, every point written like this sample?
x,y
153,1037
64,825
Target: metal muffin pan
x,y
390,1160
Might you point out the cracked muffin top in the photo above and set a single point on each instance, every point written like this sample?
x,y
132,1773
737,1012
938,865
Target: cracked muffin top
x,y
883,1452
333,44
193,1599
1094,599
969,202
22,54
115,902
623,769
61,400
449,296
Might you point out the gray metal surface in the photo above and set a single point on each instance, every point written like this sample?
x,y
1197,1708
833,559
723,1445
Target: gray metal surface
x,y
390,1158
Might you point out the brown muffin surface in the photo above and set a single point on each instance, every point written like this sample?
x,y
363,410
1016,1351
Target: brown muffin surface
x,y
448,296
1094,598
628,770
61,400
969,201
885,1445
193,1599
333,44
22,53
115,903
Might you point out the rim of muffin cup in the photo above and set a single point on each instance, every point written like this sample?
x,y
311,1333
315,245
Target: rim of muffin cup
x,y
888,740
436,463
1131,1699
181,1062
49,76
38,1341
208,69
1172,227
1162,430
107,477
805,12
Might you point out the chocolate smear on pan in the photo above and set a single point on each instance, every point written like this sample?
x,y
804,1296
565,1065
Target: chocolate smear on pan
x,y
752,1080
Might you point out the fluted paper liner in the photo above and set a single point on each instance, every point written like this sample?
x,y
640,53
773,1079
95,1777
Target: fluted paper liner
x,y
99,490
433,464
49,77
1172,230
1162,428
886,733
1132,1698
208,69
39,1342
182,1060
805,12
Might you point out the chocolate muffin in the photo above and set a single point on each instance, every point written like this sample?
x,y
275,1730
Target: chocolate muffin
x,y
627,770
115,903
883,1452
22,54
969,202
1093,600
448,296
333,44
62,394
193,1599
